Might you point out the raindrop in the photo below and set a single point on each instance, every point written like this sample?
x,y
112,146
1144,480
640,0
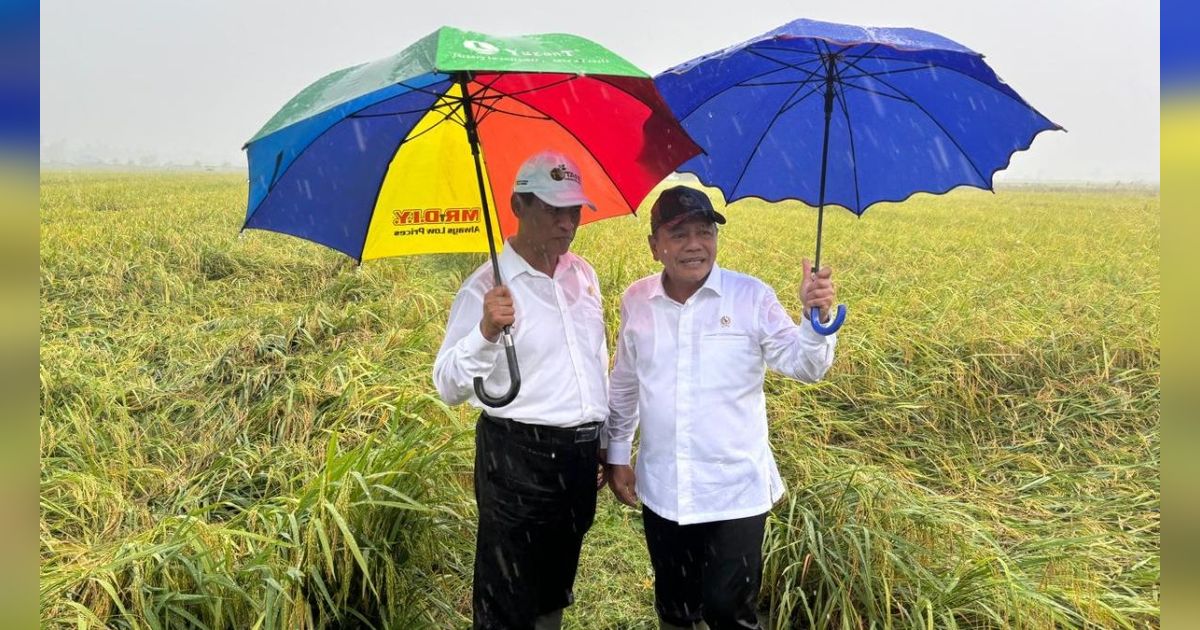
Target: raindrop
x,y
359,136
873,93
942,160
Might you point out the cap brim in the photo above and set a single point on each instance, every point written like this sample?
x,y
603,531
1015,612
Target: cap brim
x,y
711,215
565,199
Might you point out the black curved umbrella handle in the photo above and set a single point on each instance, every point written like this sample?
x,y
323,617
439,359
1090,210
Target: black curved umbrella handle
x,y
514,372
814,316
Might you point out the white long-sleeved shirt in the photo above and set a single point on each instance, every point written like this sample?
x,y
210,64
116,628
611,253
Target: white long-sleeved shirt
x,y
692,375
559,335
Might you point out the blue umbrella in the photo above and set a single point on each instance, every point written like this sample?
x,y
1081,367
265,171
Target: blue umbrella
x,y
903,111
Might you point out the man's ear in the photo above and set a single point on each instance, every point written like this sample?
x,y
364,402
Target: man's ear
x,y
515,203
653,243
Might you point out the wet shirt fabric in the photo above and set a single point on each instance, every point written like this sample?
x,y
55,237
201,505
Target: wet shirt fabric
x,y
559,336
691,375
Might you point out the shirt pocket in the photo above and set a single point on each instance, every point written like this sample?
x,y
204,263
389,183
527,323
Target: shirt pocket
x,y
588,318
728,359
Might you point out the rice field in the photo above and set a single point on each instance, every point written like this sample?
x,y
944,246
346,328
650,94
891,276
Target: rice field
x,y
242,432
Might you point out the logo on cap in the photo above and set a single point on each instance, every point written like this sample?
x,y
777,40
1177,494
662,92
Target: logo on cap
x,y
688,201
560,172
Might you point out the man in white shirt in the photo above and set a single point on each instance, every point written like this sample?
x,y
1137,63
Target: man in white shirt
x,y
694,344
537,465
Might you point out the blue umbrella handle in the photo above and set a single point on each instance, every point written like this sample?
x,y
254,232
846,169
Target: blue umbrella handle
x,y
814,316
514,373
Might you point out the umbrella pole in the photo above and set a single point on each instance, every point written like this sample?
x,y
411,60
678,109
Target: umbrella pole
x,y
510,350
815,314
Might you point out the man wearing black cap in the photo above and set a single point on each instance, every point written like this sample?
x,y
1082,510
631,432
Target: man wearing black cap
x,y
694,344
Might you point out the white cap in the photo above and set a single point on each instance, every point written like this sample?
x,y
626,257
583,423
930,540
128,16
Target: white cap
x,y
554,178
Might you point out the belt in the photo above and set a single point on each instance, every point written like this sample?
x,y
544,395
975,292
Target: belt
x,y
541,433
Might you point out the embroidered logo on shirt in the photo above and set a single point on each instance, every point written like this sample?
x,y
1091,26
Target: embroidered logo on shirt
x,y
725,321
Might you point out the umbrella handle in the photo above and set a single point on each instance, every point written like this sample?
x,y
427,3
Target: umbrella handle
x,y
814,316
514,373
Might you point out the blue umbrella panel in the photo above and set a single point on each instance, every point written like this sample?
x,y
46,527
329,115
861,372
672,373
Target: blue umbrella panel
x,y
878,113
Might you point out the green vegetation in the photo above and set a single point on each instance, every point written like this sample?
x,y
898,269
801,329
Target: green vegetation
x,y
243,433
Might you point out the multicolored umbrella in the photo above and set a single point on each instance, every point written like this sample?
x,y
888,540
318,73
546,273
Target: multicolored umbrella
x,y
904,111
416,153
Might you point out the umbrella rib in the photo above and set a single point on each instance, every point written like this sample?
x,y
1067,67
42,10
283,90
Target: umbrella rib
x,y
815,90
872,91
738,84
479,97
581,143
935,121
456,104
766,83
421,90
754,150
862,55
532,89
1012,97
812,77
869,53
841,99
447,117
882,73
278,176
443,101
492,109
385,115
802,51
785,64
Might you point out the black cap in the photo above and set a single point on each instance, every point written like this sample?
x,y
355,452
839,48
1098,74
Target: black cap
x,y
678,202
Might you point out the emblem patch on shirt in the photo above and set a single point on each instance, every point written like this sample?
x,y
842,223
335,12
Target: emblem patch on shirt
x,y
725,321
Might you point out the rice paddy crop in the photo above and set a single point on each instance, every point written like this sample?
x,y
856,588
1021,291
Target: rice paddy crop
x,y
242,432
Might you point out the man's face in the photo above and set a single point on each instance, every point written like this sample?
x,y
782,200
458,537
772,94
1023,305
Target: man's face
x,y
687,249
544,227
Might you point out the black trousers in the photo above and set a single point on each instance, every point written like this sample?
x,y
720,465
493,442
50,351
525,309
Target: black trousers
x,y
707,571
536,491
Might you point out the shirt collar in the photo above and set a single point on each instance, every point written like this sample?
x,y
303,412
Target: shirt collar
x,y
713,283
513,264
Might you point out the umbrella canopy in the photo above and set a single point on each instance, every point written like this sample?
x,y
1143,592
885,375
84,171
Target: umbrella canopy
x,y
410,154
375,160
847,115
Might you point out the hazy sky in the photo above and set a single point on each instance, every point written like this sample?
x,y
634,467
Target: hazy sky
x,y
187,81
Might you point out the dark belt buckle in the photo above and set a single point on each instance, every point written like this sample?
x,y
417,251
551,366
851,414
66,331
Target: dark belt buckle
x,y
587,434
